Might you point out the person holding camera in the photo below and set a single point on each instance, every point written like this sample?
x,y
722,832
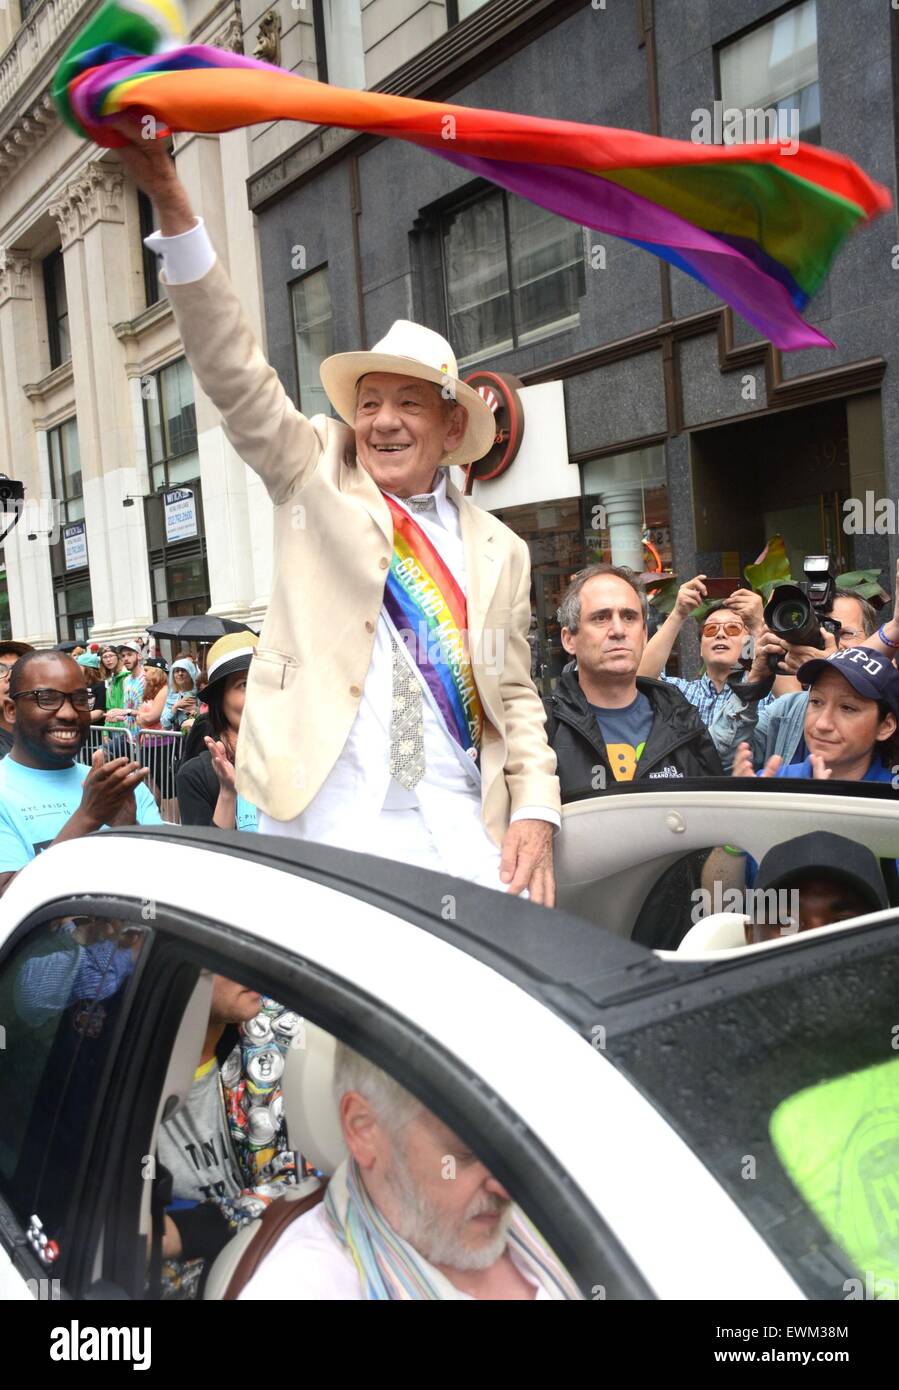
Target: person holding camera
x,y
851,718
728,624
776,727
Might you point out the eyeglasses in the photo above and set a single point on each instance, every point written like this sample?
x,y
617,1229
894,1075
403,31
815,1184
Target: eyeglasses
x,y
729,629
55,699
4,671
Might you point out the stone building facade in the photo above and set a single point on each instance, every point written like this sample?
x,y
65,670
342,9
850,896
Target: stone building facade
x,y
658,429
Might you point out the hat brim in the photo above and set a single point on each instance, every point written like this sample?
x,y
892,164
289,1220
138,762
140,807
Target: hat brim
x,y
340,375
810,670
14,649
228,668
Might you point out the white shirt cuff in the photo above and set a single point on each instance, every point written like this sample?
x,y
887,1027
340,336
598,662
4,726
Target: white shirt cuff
x,y
537,813
185,257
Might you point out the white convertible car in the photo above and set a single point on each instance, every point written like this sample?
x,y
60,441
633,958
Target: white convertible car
x,y
637,1103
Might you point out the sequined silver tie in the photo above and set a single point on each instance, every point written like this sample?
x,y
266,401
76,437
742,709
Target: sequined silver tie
x,y
407,735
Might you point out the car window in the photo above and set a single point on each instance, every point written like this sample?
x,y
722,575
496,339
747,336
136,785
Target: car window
x,y
61,993
754,1076
261,1125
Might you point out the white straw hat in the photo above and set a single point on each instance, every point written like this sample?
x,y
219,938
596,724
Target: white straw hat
x,y
410,349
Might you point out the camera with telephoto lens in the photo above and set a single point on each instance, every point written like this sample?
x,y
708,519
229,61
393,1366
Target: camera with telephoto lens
x,y
796,612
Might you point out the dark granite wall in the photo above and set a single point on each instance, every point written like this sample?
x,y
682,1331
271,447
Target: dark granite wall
x,y
591,68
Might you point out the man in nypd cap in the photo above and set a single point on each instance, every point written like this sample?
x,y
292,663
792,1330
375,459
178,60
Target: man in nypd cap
x,y
390,706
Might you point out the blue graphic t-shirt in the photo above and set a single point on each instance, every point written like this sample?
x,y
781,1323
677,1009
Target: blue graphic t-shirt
x,y
624,733
35,805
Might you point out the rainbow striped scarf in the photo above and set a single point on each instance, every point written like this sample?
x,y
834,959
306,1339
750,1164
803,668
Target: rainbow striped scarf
x,y
758,224
390,1269
430,615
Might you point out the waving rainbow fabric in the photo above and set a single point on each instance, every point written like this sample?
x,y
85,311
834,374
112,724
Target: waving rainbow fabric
x,y
757,226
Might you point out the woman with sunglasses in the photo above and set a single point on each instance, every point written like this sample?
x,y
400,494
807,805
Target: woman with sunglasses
x,y
728,624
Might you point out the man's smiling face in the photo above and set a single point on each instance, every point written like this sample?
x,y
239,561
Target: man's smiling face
x,y
50,738
403,429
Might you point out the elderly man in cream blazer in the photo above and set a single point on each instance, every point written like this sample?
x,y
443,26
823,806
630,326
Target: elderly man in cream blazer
x,y
390,707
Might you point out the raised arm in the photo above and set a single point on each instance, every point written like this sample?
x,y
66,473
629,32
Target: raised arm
x,y
260,420
889,628
658,648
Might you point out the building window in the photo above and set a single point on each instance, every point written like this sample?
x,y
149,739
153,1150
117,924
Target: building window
x,y
457,10
151,260
180,581
775,67
171,425
74,609
26,7
173,513
68,556
338,43
57,309
313,334
65,471
513,274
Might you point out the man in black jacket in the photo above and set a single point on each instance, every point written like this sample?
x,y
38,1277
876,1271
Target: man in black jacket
x,y
604,722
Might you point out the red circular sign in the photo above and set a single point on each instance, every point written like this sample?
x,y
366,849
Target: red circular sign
x,y
500,391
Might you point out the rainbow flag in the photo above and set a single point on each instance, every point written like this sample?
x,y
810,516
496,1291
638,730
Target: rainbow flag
x,y
430,614
759,226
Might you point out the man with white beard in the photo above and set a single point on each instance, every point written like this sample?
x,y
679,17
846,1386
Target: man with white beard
x,y
411,1213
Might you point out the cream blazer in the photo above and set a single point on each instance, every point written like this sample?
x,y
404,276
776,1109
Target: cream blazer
x,y
333,539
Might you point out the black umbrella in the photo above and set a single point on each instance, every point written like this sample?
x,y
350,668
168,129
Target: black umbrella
x,y
69,646
201,627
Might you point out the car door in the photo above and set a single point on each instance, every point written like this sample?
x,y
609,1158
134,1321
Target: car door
x,y
81,1149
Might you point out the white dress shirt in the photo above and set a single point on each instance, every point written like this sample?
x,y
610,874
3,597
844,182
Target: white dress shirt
x,y
361,806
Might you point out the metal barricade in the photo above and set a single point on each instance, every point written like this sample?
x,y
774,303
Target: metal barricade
x,y
156,749
160,750
116,742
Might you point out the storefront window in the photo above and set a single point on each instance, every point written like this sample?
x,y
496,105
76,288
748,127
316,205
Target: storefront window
x,y
74,616
554,533
626,516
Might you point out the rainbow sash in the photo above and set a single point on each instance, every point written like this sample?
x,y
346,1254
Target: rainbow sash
x,y
758,224
429,612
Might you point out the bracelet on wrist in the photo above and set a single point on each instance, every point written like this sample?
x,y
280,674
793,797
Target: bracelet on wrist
x,y
885,640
